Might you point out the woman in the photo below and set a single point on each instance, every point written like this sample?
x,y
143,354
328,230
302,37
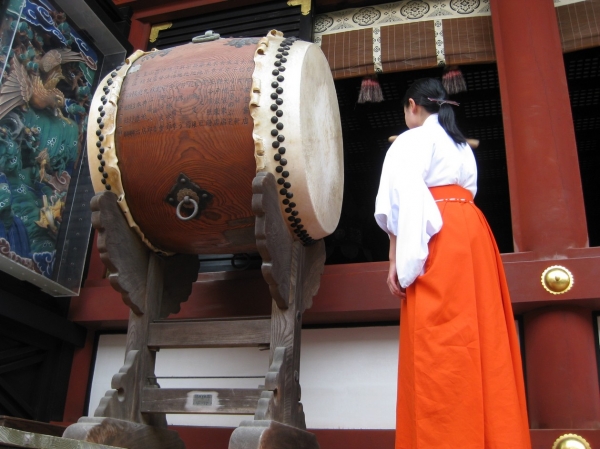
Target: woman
x,y
460,375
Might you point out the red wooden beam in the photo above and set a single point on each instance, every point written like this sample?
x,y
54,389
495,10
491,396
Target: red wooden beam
x,y
150,12
167,10
527,293
348,293
218,437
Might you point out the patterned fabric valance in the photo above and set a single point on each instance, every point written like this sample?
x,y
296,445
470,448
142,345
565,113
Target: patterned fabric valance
x,y
417,34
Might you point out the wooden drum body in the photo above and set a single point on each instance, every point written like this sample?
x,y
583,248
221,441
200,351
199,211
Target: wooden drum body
x,y
183,131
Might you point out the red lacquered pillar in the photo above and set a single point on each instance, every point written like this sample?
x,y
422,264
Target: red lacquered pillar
x,y
548,214
547,208
139,33
561,369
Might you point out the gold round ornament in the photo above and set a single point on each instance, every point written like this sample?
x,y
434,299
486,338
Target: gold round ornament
x,y
571,441
557,280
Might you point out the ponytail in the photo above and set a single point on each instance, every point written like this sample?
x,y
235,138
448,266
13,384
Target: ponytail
x,y
431,95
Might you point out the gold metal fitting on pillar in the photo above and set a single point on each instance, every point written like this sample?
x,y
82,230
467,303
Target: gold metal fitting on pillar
x,y
571,441
557,279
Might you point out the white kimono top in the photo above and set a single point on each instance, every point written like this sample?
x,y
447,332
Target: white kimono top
x,y
419,158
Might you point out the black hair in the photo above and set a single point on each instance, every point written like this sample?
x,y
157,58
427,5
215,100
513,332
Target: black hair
x,y
425,88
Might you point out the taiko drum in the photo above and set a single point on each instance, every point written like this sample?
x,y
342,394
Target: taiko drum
x,y
179,134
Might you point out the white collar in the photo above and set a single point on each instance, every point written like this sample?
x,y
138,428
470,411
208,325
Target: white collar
x,y
431,120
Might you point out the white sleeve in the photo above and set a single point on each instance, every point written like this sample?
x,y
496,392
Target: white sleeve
x,y
404,206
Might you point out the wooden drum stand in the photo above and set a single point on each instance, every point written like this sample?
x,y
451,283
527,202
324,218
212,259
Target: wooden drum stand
x,y
132,414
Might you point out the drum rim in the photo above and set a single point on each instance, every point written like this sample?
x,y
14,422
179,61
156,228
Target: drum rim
x,y
101,146
267,153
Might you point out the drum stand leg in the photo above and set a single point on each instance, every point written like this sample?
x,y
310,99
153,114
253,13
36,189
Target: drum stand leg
x,y
144,279
293,273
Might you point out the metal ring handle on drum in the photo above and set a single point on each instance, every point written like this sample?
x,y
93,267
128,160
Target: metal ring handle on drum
x,y
186,200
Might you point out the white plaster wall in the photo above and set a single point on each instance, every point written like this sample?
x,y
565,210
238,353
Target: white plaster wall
x,y
348,376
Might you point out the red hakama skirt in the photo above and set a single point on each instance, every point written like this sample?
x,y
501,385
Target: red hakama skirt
x,y
460,375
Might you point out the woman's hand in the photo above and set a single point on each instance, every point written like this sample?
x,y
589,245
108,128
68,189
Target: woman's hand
x,y
393,284
392,279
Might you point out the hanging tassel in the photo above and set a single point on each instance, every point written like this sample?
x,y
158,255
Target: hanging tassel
x,y
370,90
453,80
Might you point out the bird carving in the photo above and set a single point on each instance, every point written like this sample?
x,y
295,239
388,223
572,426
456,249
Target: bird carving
x,y
21,87
52,60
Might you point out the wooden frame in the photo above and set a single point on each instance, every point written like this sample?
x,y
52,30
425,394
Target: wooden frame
x,y
132,414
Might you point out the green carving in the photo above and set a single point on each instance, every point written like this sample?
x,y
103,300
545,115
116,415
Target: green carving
x,y
45,92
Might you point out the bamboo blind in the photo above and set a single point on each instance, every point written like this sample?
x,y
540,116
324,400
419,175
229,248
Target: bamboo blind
x,y
469,40
408,47
349,54
579,25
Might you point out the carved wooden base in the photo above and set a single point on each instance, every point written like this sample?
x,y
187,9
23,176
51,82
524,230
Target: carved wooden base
x,y
153,287
124,434
271,435
35,435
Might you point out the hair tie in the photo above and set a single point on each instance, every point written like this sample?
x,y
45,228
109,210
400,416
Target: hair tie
x,y
440,102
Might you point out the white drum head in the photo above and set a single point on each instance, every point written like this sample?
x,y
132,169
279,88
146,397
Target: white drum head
x,y
298,134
